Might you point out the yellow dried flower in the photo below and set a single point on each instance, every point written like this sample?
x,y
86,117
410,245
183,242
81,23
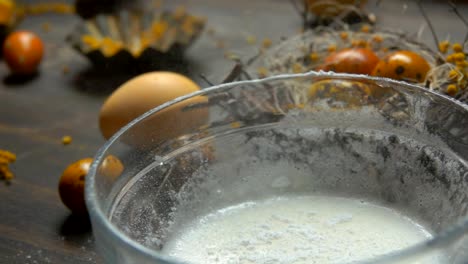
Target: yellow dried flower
x,y
266,43
262,72
444,46
452,89
459,56
365,28
251,39
297,68
377,38
344,35
453,74
331,48
313,56
457,47
450,58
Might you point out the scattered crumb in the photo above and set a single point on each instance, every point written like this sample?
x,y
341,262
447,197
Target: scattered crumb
x,y
66,140
46,27
6,158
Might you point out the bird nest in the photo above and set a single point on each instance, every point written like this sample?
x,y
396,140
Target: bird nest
x,y
307,51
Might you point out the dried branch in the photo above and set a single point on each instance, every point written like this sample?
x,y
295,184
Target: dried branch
x,y
205,79
253,58
303,13
296,6
234,74
428,21
463,19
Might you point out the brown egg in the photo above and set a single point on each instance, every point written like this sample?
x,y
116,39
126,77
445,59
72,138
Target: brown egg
x,y
71,185
145,92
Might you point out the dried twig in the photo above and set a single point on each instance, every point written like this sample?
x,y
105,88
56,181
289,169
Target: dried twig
x,y
234,74
304,13
428,21
296,6
463,19
205,79
252,60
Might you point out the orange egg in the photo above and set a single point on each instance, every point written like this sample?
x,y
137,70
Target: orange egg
x,y
358,61
71,185
403,65
23,51
145,92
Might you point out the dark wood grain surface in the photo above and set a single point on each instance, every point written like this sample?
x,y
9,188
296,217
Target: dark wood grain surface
x,y
34,114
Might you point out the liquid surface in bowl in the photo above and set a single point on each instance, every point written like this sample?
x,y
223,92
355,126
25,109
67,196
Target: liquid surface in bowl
x,y
297,229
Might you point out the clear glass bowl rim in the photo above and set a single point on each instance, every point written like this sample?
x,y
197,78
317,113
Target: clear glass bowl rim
x,y
445,238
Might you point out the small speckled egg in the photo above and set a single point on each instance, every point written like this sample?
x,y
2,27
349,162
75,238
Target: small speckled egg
x,y
71,185
358,61
403,65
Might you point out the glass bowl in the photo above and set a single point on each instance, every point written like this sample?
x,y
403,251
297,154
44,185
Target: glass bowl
x,y
395,144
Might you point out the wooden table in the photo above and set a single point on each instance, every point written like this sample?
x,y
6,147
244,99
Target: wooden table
x,y
34,114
